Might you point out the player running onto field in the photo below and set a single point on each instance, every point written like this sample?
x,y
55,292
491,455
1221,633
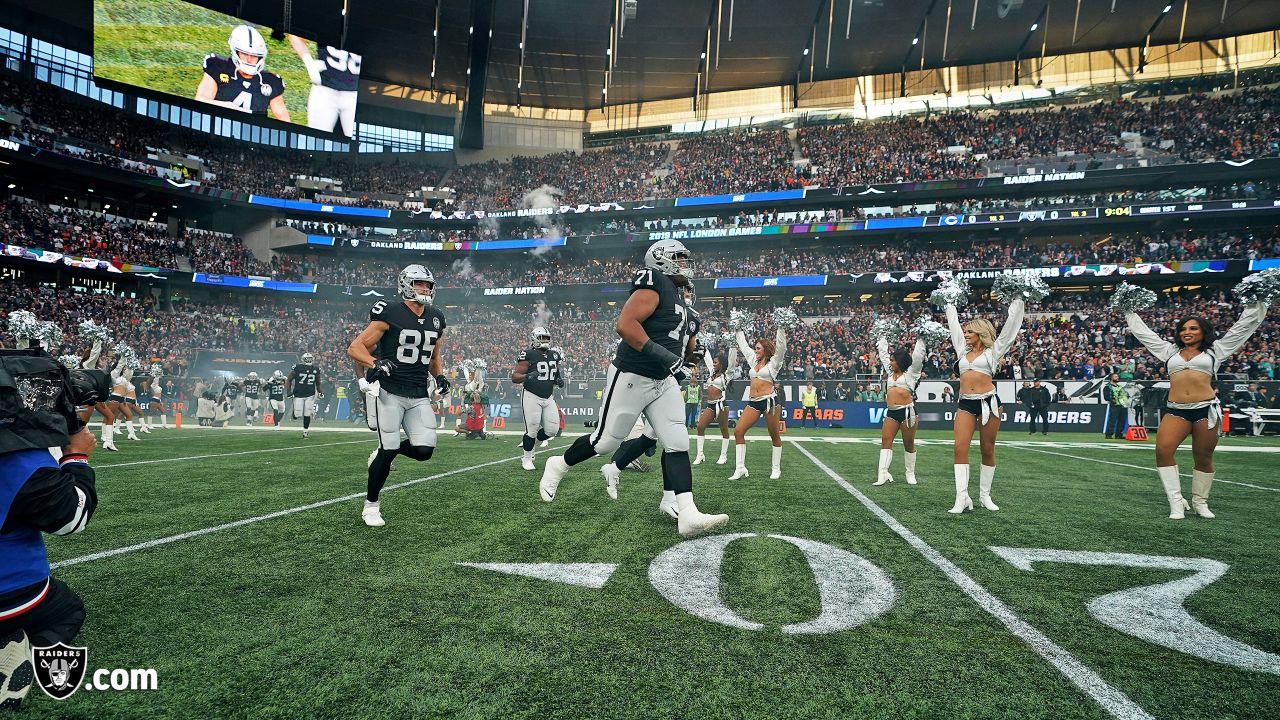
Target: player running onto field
x,y
538,370
303,384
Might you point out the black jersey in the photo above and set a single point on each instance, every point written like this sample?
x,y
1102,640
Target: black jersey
x,y
409,343
306,378
340,69
251,94
667,326
252,386
275,389
544,370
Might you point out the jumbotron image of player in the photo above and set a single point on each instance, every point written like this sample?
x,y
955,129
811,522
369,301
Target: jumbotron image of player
x,y
335,78
401,348
645,377
241,82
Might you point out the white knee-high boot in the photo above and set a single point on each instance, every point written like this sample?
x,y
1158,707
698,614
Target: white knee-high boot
x,y
962,490
882,471
1200,484
740,455
132,434
724,451
697,459
777,463
108,436
1173,490
910,458
986,474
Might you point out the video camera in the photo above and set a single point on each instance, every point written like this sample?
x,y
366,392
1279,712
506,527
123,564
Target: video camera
x,y
39,399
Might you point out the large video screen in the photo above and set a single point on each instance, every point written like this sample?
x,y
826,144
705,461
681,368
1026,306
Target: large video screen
x,y
186,50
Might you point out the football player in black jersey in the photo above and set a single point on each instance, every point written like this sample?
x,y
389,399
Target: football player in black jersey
x,y
401,349
335,78
276,393
303,384
240,82
538,369
644,377
252,387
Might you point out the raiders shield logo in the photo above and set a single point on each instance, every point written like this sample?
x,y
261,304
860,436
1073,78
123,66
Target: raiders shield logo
x,y
60,669
436,322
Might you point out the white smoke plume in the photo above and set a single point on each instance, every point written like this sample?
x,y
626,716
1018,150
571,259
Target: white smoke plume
x,y
462,268
541,315
545,196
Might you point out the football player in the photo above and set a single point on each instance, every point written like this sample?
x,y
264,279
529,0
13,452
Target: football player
x,y
335,78
240,82
252,387
401,346
276,392
645,377
538,370
303,383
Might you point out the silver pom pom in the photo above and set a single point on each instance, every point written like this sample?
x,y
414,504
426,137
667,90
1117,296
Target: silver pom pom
x,y
950,292
23,326
1260,287
70,362
741,321
50,335
125,355
157,370
785,318
890,329
94,332
933,332
1030,288
1131,298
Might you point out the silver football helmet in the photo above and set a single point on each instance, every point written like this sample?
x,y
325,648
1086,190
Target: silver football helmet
x,y
254,375
671,258
277,375
308,358
540,337
414,274
247,40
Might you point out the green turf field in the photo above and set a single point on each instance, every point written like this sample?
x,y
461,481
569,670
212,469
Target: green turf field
x,y
311,614
161,45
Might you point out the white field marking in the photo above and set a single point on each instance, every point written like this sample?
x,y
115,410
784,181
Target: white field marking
x,y
1111,699
1146,467
269,516
1155,612
230,454
852,590
1065,444
589,575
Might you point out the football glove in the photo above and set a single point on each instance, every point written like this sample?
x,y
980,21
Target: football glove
x,y
443,384
383,367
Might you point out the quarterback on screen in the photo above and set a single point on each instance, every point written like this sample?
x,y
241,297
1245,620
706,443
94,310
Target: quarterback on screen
x,y
241,82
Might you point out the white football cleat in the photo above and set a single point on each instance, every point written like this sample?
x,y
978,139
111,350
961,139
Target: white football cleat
x,y
306,433
696,522
372,514
16,671
526,462
611,476
552,473
670,507
699,460
544,443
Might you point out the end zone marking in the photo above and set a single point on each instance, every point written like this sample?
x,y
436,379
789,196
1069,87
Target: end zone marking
x,y
1115,702
279,513
1144,467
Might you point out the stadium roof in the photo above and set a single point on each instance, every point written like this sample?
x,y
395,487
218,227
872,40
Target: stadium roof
x,y
658,54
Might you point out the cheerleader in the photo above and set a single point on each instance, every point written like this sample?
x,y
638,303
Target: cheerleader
x,y
1192,362
981,353
902,372
767,357
720,376
121,390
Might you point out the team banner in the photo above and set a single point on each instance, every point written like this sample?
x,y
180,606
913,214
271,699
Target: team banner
x,y
219,363
76,261
378,243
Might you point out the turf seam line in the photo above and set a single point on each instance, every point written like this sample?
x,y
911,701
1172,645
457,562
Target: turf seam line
x,y
1115,702
1144,467
269,516
230,454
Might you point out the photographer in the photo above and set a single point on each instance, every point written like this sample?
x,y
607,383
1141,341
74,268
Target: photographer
x,y
38,403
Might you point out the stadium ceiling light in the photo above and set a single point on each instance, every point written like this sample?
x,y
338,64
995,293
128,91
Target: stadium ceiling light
x,y
1034,27
1167,8
90,189
12,186
915,41
703,56
806,51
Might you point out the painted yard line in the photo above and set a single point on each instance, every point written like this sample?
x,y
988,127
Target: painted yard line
x,y
230,454
1145,467
269,516
1112,700
1069,444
